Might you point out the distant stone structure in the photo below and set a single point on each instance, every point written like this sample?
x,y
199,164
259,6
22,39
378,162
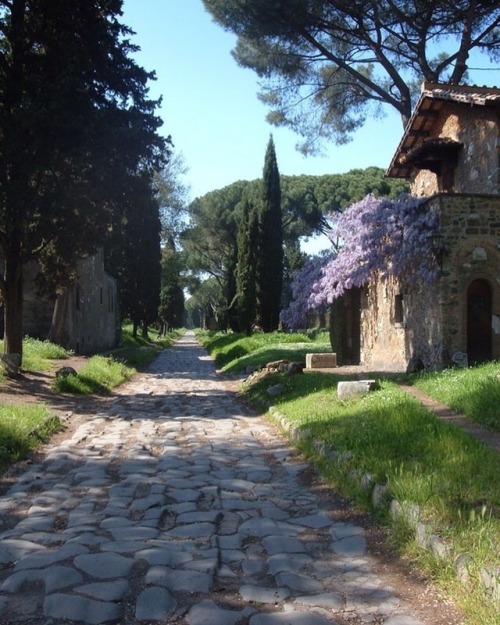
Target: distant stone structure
x,y
84,317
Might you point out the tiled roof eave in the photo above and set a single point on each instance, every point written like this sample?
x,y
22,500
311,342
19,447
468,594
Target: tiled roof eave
x,y
431,98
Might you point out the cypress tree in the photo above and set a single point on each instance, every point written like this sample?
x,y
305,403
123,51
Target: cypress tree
x,y
230,291
246,269
75,124
270,254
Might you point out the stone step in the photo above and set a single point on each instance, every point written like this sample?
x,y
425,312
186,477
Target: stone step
x,y
326,360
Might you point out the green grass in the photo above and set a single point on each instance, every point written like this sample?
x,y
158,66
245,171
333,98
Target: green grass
x,y
474,392
22,430
97,377
233,353
37,354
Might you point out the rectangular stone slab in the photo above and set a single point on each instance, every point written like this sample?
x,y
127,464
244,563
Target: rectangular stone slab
x,y
321,361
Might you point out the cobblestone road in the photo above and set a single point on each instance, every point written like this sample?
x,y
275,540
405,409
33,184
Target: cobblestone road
x,y
177,505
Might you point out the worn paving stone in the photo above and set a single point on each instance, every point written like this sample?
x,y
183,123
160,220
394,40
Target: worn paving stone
x,y
298,582
257,594
104,565
291,618
155,604
75,608
106,591
209,613
178,580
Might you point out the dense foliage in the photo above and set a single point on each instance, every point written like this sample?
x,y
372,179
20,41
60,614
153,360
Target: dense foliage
x,y
76,128
171,309
270,245
376,237
134,255
246,287
296,314
325,67
211,239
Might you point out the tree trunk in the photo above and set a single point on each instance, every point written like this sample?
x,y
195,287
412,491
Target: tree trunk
x,y
13,311
57,332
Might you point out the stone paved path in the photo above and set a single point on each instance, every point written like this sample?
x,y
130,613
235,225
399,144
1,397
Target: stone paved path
x,y
177,505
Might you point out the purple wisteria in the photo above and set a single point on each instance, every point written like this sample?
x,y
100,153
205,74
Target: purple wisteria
x,y
376,237
295,316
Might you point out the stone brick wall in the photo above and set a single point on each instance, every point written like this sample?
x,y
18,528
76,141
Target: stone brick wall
x,y
382,339
86,316
390,344
434,323
478,128
471,228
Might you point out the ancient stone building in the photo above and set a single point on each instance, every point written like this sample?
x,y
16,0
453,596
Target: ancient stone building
x,y
450,151
84,317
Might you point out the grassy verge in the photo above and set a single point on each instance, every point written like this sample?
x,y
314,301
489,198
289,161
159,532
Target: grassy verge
x,y
235,353
389,438
23,429
138,352
38,355
97,377
102,373
474,392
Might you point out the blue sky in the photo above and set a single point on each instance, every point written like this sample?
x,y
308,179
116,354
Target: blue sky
x,y
211,109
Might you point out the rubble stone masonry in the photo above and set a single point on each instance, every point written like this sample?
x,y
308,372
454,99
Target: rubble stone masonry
x,y
432,321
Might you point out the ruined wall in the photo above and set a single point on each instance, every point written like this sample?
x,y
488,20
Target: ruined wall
x,y
432,321
382,339
86,316
477,127
390,341
471,230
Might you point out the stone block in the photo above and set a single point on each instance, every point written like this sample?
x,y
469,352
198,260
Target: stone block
x,y
347,390
460,359
325,360
277,389
11,364
64,372
491,580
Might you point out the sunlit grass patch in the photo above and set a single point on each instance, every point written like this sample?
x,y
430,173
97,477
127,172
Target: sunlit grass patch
x,y
234,352
99,375
22,429
474,391
38,354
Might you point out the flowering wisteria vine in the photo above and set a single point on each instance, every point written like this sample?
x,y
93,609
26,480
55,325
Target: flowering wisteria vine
x,y
377,236
295,316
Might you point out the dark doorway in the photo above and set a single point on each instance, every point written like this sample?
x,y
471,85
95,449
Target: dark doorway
x,y
345,327
479,333
353,326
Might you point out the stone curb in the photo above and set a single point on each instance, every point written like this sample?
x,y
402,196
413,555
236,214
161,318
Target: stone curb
x,y
408,512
